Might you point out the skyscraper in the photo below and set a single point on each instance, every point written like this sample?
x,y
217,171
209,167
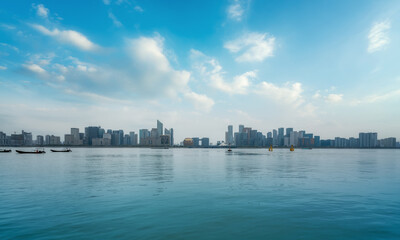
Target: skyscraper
x,y
159,128
241,127
280,136
288,131
274,137
90,133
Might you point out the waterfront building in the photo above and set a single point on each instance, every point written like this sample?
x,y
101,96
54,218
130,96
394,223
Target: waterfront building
x,y
133,138
159,128
241,127
368,140
288,131
205,142
388,142
188,142
69,139
317,141
269,135
165,140
101,141
196,142
275,137
293,138
90,133
280,137
39,140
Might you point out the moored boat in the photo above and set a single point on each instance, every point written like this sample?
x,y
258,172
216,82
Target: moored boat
x,y
30,152
5,150
63,150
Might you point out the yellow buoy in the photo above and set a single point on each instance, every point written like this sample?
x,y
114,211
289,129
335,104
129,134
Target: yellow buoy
x,y
270,148
291,148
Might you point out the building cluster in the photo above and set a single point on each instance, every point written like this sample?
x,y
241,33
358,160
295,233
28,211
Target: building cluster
x,y
163,137
247,137
196,142
94,136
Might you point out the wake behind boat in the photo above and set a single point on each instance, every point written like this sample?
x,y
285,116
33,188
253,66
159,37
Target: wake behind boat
x,y
30,152
63,150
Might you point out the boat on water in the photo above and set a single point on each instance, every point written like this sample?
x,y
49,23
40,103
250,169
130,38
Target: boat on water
x,y
30,152
62,150
5,150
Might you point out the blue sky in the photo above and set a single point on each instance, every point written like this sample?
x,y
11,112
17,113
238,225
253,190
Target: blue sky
x,y
328,67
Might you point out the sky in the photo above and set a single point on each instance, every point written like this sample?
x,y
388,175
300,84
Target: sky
x,y
327,67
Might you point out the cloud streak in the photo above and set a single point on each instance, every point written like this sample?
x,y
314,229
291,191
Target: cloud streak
x,y
378,36
70,37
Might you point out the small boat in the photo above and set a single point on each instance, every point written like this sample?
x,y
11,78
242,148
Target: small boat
x,y
5,150
291,148
63,150
229,150
30,152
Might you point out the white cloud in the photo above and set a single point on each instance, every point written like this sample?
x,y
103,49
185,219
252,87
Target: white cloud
x,y
41,11
252,47
317,95
200,102
138,9
334,98
114,19
34,68
211,70
68,36
377,97
235,11
3,68
152,68
106,2
288,93
378,36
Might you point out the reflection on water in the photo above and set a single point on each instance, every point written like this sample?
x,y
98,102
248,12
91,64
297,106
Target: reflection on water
x,y
200,194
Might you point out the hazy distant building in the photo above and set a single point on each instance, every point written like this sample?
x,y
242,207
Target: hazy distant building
x,y
188,142
39,140
275,137
229,135
288,131
317,141
368,140
196,142
205,142
133,138
90,133
388,142
281,137
159,128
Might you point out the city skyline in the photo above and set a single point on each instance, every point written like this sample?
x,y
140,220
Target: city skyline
x,y
159,136
201,66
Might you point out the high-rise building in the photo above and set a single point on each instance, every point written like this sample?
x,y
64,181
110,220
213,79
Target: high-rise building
x,y
39,140
159,128
90,133
280,137
317,141
274,137
288,131
241,127
269,134
133,138
368,140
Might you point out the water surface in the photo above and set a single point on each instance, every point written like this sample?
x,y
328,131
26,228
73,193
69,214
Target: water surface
x,y
144,193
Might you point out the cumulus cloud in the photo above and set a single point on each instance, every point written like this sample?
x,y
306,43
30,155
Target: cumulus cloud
x,y
114,19
289,93
211,69
200,102
252,47
235,11
68,36
152,67
41,11
378,36
334,98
